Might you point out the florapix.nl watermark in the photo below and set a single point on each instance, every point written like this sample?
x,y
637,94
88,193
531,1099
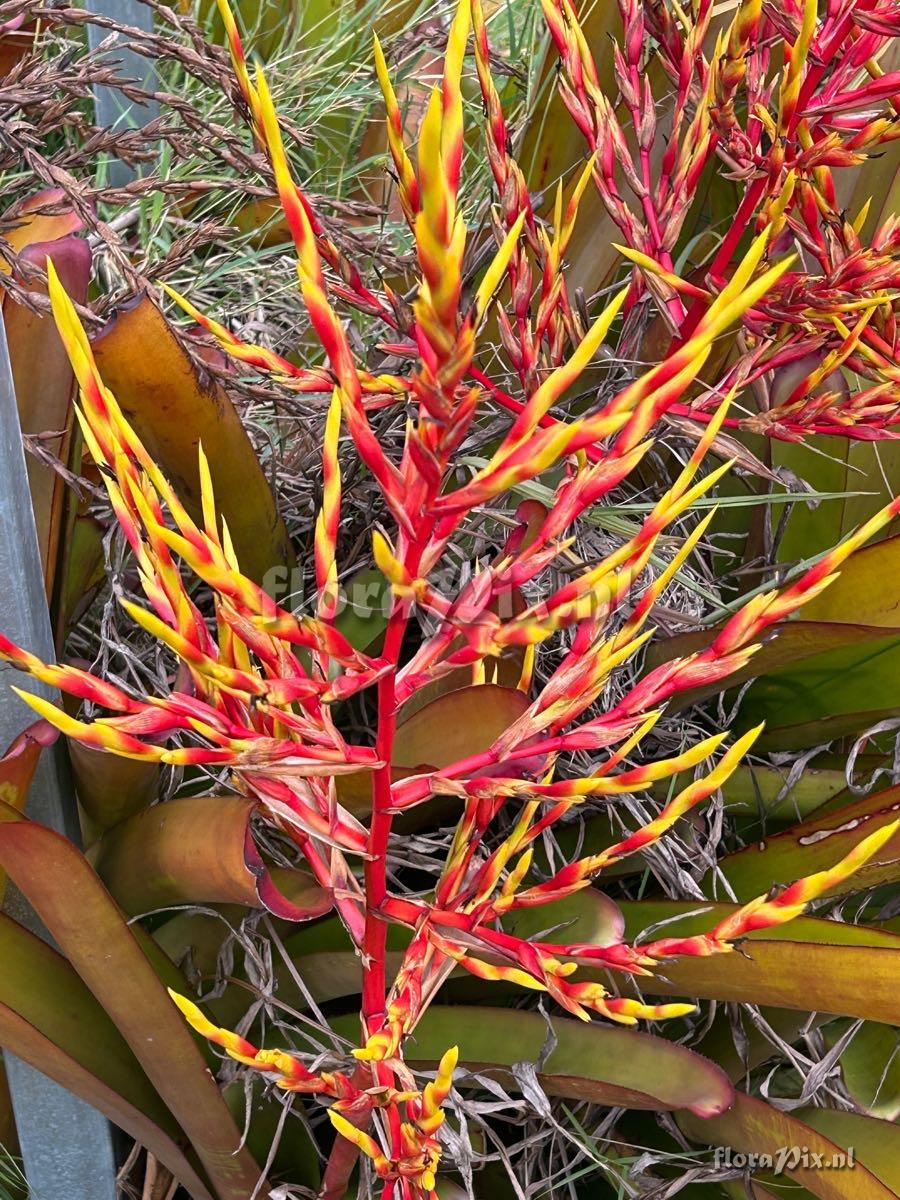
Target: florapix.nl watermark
x,y
785,1158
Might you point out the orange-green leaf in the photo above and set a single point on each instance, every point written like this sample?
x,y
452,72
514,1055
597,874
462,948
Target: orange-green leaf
x,y
553,149
199,850
42,376
458,724
808,964
449,728
876,1144
49,1018
17,767
864,592
91,931
173,410
753,1127
111,789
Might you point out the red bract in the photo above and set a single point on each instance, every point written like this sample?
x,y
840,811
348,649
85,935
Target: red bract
x,y
263,681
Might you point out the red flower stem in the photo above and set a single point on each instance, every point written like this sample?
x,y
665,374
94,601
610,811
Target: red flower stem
x,y
374,983
723,258
594,453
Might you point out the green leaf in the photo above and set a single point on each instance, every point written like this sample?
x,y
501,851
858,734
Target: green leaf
x,y
833,672
828,696
111,789
816,844
876,1144
363,616
870,1065
807,964
91,931
794,644
755,790
587,916
589,1061
457,725
868,472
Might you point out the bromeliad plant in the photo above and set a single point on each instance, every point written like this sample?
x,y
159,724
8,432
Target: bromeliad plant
x,y
259,686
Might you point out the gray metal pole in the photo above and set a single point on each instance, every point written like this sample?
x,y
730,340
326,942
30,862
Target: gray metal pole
x,y
67,1146
112,108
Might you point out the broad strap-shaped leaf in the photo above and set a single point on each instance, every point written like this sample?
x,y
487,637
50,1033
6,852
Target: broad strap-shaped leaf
x,y
173,410
449,728
795,643
457,725
42,376
752,1126
876,1143
830,695
17,767
111,789
830,674
200,850
91,931
865,592
867,473
870,1066
49,1018
756,790
589,1061
809,964
815,844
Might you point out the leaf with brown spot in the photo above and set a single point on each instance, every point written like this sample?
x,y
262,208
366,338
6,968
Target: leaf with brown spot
x,y
816,844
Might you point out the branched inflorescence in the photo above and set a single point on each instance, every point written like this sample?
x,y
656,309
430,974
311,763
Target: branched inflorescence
x,y
781,125
259,684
